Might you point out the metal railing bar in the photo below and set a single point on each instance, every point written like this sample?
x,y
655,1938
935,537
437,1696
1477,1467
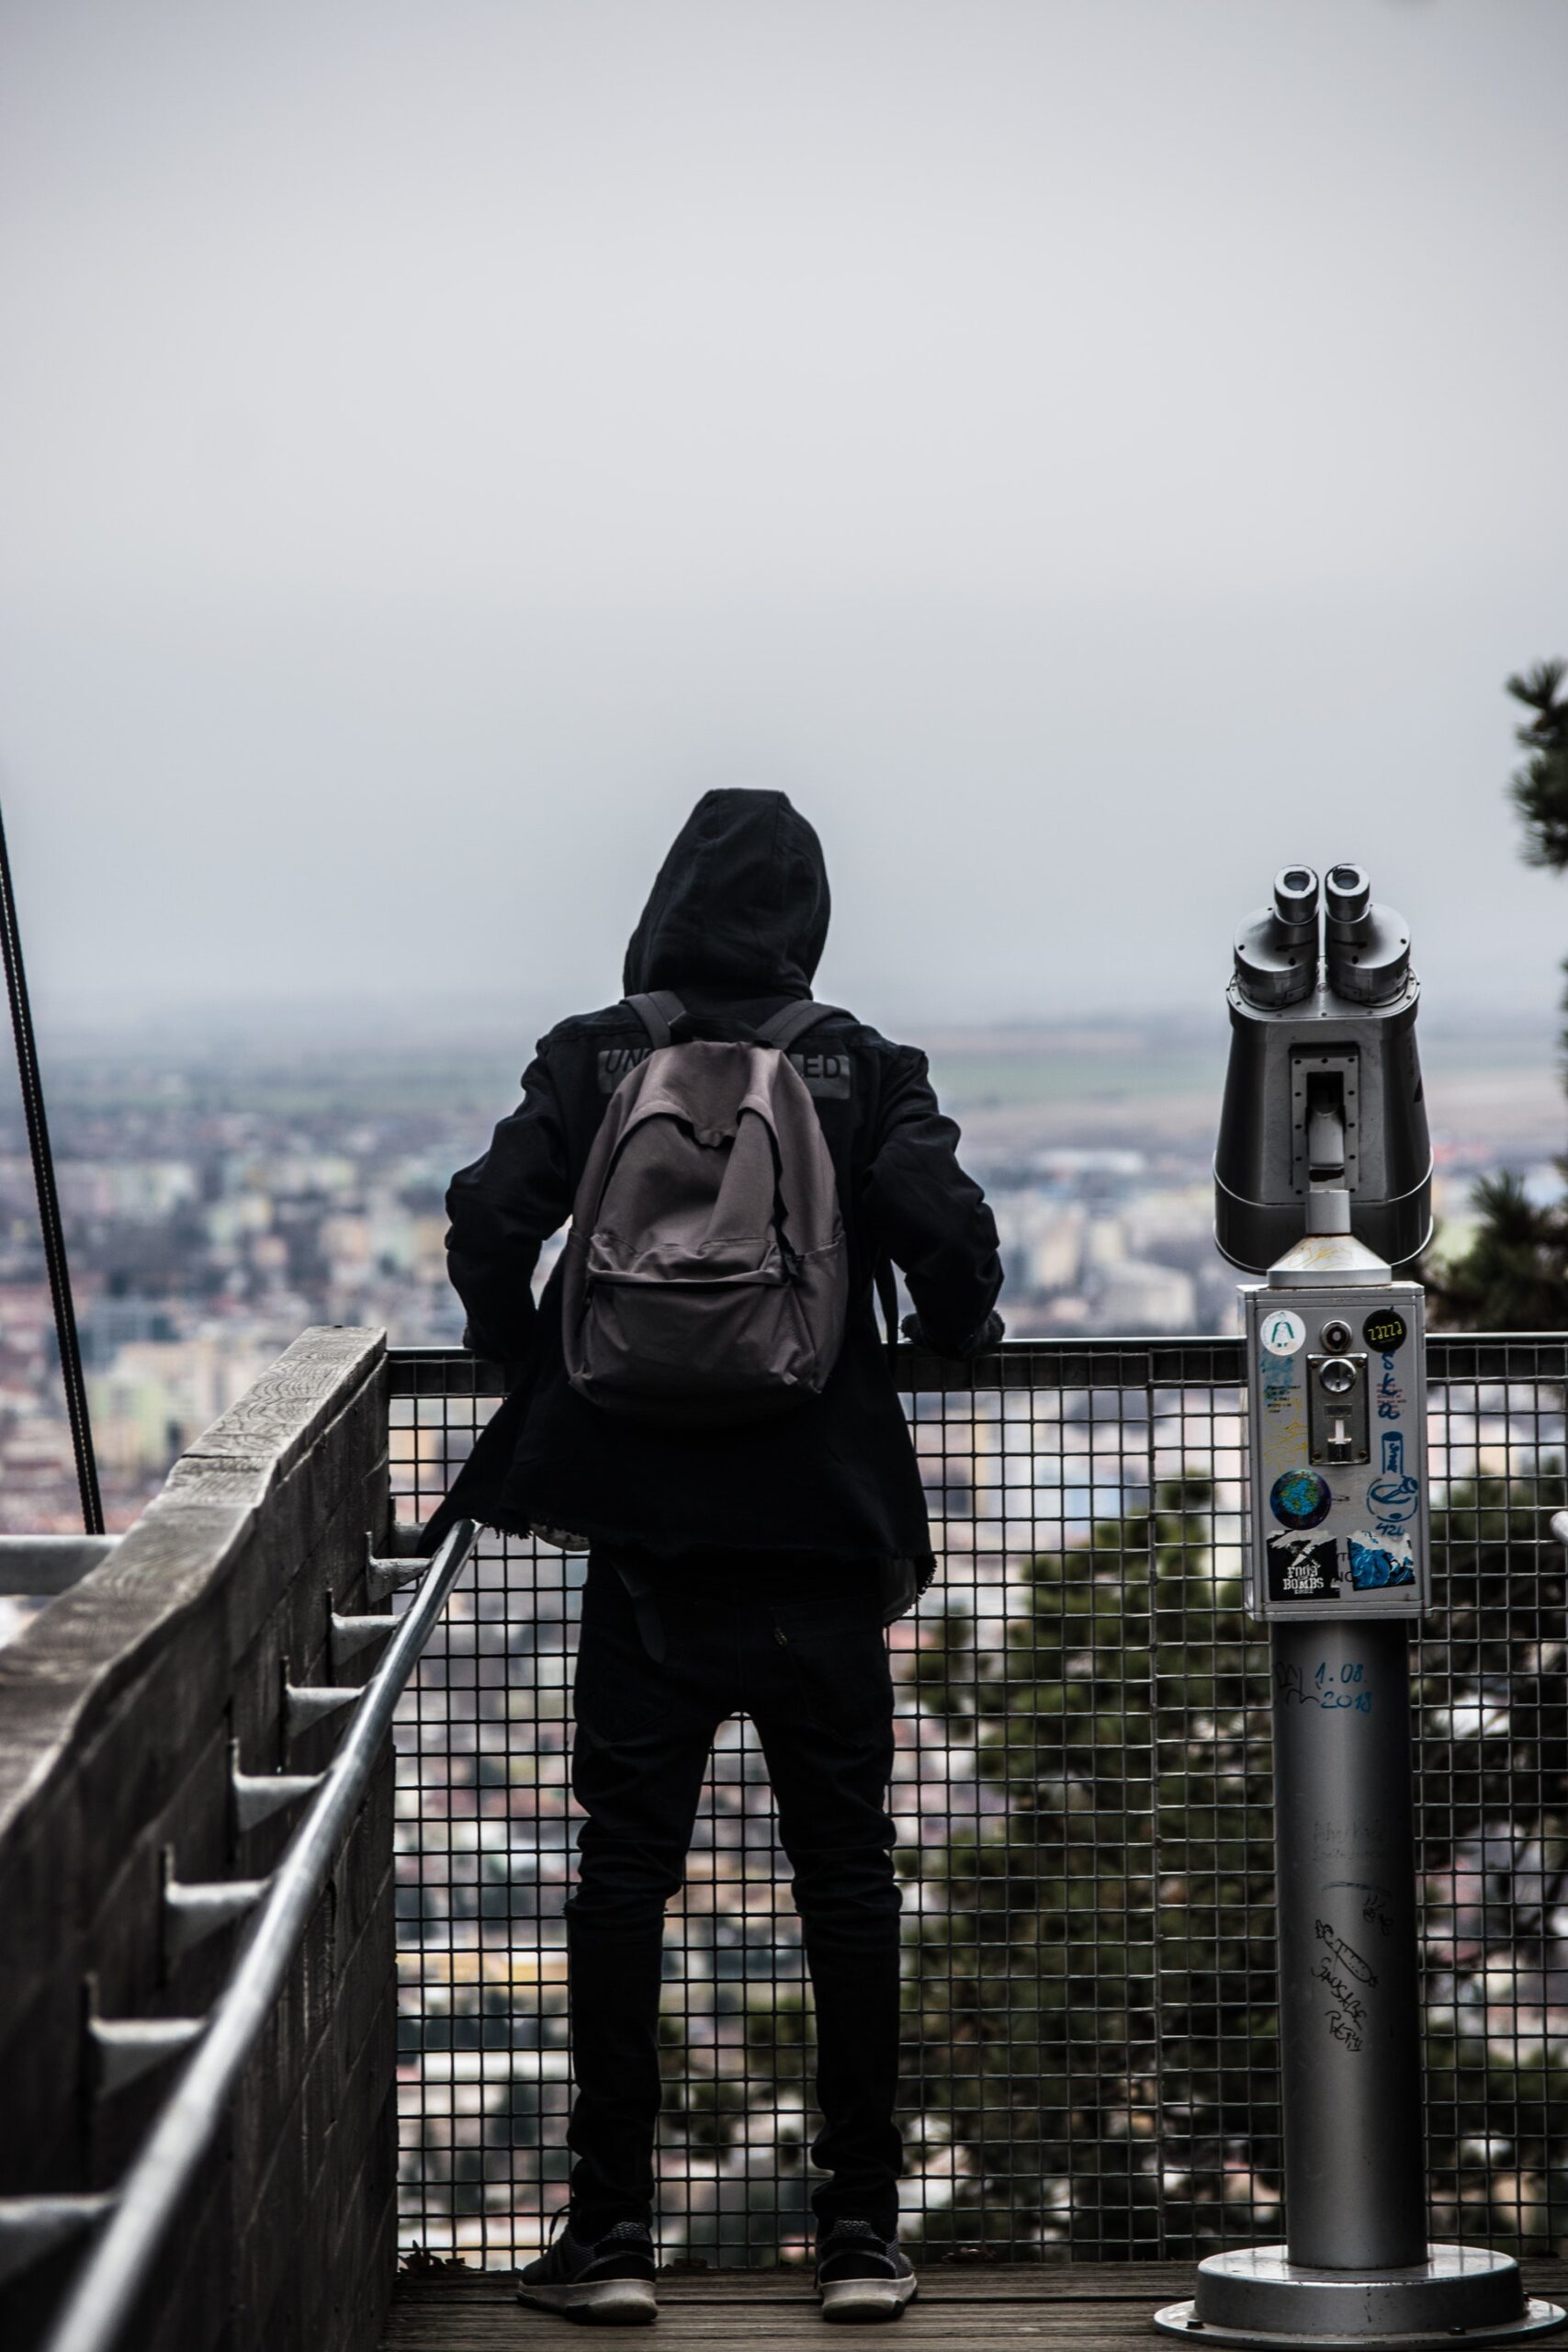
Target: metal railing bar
x,y
1208,1359
99,2302
1109,1362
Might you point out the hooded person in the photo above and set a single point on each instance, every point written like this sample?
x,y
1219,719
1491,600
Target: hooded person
x,y
741,1568
736,923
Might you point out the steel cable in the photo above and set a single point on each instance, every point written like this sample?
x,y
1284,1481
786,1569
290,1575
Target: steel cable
x,y
48,1203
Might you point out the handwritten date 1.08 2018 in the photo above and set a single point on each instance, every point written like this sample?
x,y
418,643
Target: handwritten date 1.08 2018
x,y
1324,1690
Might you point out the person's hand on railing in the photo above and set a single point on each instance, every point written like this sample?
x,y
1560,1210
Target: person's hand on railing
x,y
512,1368
977,1345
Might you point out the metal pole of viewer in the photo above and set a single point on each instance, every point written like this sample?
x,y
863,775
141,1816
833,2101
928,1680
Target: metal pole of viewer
x,y
1324,1116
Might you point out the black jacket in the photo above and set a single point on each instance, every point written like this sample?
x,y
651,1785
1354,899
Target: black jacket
x,y
735,924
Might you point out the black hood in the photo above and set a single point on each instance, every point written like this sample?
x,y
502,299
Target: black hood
x,y
740,904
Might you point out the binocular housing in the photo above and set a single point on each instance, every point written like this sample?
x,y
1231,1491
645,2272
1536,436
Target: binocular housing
x,y
1322,1093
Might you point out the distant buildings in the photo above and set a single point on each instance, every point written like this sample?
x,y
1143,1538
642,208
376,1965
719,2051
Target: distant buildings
x,y
1094,1241
215,1208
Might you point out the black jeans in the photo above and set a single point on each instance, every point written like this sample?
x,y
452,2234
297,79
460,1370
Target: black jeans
x,y
800,1649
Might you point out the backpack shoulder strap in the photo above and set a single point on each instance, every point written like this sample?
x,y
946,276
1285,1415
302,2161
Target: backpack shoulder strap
x,y
657,1013
794,1022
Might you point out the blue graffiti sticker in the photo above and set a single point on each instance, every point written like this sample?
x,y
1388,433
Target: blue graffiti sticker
x,y
1299,1498
1374,1565
1394,1496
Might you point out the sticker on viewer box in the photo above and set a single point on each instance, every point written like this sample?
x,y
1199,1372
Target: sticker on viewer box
x,y
1302,1567
1281,1332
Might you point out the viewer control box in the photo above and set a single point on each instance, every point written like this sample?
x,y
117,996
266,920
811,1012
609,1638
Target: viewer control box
x,y
1336,1425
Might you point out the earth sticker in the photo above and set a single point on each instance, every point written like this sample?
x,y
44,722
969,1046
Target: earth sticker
x,y
1299,1498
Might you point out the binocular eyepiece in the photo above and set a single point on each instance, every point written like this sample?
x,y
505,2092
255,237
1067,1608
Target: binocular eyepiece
x,y
1336,936
1323,1092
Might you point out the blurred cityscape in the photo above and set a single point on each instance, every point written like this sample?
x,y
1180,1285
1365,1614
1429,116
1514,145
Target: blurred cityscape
x,y
1081,1792
220,1193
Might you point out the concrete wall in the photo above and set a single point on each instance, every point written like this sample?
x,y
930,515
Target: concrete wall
x,y
116,1710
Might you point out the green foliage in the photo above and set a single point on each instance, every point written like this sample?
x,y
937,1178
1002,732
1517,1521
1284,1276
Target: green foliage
x,y
1539,790
1493,1710
1093,2005
1514,1277
1500,1596
1102,1924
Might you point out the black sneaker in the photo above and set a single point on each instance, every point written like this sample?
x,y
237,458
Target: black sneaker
x,y
862,2275
609,2282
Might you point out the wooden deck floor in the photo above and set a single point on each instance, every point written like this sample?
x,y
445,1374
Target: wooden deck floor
x,y
1095,2306
1087,2304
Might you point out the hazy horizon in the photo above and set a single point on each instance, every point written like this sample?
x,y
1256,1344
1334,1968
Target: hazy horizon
x,y
425,1023
1087,455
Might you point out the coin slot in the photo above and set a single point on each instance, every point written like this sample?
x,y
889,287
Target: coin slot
x,y
1337,1408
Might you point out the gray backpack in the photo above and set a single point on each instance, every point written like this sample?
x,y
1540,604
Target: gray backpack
x,y
706,1274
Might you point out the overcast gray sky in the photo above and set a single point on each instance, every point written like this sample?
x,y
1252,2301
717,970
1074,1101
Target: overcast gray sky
x,y
1088,451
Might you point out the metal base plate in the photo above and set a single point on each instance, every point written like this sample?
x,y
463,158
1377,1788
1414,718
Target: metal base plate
x,y
1181,2319
1258,2295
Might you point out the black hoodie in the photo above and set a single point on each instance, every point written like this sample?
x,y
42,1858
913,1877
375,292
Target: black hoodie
x,y
735,923
740,905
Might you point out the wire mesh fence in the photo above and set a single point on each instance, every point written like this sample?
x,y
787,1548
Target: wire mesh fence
x,y
1082,1797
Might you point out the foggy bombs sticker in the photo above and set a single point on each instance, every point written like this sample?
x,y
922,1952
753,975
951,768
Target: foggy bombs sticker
x,y
1302,1567
1377,1561
1281,1332
1299,1498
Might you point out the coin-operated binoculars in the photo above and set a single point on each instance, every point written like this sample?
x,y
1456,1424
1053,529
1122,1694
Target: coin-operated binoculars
x,y
1323,1184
